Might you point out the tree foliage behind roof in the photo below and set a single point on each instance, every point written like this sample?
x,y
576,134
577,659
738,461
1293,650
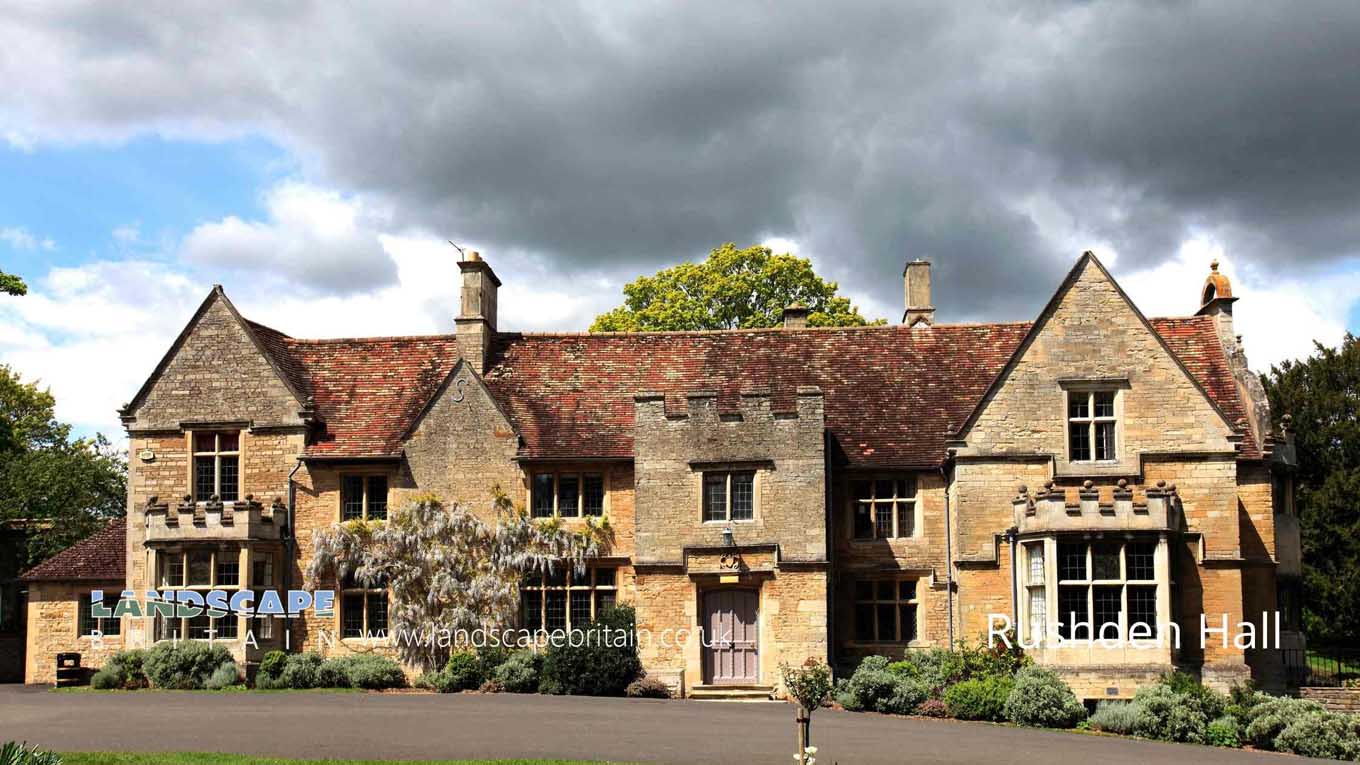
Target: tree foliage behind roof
x,y
733,289
69,487
1322,394
12,285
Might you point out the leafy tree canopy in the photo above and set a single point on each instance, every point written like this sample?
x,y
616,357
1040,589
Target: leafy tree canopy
x,y
1322,394
59,488
12,285
732,289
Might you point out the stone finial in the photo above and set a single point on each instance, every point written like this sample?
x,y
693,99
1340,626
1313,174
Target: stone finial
x,y
796,316
1287,422
1122,483
1023,490
1161,484
1087,484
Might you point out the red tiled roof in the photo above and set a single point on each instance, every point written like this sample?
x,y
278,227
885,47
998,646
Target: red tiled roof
x,y
893,395
98,557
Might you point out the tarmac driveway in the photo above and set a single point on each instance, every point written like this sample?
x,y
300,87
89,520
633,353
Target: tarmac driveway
x,y
422,726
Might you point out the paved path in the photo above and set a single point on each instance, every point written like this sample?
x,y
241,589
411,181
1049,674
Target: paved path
x,y
410,726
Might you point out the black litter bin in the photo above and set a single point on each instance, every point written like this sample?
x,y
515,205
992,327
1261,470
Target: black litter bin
x,y
69,672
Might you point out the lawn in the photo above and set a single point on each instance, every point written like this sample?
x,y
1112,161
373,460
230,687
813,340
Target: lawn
x,y
209,758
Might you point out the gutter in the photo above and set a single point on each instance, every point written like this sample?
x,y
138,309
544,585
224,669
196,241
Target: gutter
x,y
948,557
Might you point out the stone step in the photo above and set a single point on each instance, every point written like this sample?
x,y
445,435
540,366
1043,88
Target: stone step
x,y
732,692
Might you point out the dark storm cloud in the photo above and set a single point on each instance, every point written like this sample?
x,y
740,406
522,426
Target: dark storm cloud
x,y
995,139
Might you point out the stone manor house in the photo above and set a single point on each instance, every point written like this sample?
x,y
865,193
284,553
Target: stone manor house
x,y
798,492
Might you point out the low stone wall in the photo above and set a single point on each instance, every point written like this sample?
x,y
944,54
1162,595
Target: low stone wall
x,y
1335,699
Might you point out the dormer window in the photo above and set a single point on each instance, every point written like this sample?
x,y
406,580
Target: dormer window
x,y
1091,424
217,465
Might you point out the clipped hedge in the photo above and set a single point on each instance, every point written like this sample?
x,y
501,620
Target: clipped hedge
x,y
647,688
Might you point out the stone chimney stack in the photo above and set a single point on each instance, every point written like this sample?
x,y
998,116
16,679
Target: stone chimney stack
x,y
916,285
476,322
796,316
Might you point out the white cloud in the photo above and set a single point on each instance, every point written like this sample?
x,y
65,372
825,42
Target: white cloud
x,y
1277,317
21,238
317,238
93,333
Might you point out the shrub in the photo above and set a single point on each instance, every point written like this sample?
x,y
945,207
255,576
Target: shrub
x,y
982,660
224,676
371,671
331,673
647,688
1207,701
1328,735
979,699
519,672
128,668
1115,717
271,666
303,670
809,685
875,688
936,667
1040,699
14,753
1168,716
1272,715
603,661
463,672
491,657
184,666
103,680
932,708
490,686
1225,731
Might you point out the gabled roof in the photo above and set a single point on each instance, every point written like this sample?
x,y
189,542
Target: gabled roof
x,y
259,335
100,557
1193,344
894,396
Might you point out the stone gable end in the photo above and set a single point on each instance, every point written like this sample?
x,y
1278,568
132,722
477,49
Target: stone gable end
x,y
1092,333
217,374
463,444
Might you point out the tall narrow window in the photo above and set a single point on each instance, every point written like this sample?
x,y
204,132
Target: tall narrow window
x,y
1037,591
884,508
1091,425
566,495
217,463
363,497
729,496
885,610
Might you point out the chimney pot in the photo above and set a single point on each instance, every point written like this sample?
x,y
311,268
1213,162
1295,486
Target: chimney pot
x,y
795,316
916,287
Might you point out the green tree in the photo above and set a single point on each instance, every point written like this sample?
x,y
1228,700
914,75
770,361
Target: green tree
x,y
12,285
732,289
62,488
1322,395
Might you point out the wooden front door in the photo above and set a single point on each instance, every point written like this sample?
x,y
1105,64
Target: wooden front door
x,y
730,645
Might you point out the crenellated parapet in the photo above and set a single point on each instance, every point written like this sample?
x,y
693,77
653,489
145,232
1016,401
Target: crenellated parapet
x,y
214,520
1050,508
